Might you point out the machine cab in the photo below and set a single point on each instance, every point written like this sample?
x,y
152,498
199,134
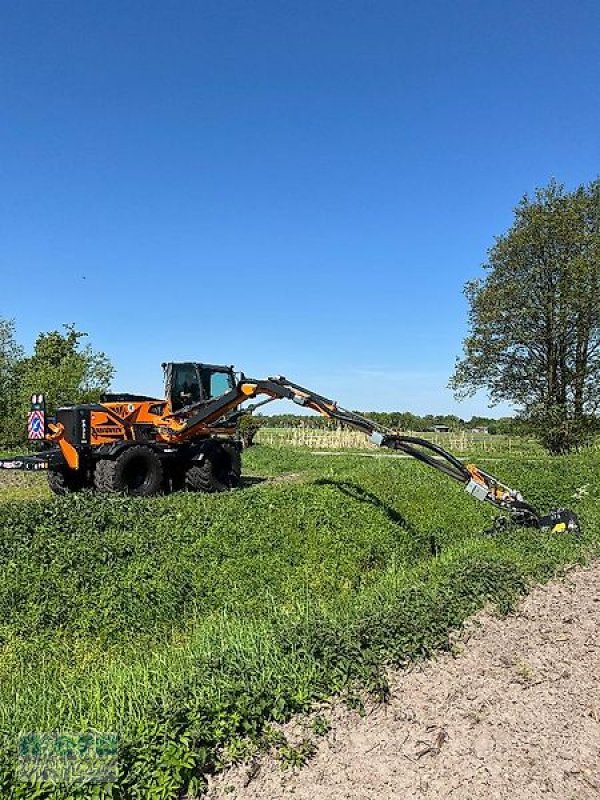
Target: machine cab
x,y
188,382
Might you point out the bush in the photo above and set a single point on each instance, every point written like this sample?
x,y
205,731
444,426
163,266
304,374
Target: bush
x,y
248,427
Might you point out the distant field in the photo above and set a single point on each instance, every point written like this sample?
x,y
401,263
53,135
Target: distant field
x,y
187,624
461,442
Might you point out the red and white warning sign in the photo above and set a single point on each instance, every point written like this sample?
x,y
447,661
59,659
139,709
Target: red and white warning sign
x,y
35,425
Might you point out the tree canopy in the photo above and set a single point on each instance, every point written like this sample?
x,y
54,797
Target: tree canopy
x,y
61,366
534,319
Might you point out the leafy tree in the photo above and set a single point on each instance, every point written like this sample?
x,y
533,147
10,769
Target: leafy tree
x,y
11,353
534,318
61,367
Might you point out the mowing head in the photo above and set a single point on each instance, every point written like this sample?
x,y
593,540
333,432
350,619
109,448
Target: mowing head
x,y
560,520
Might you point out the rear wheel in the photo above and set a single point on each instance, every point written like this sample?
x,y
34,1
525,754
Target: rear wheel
x,y
136,471
218,470
64,480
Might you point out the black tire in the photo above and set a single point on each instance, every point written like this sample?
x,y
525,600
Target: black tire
x,y
63,480
219,470
137,471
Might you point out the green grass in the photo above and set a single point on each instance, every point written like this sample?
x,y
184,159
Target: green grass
x,y
187,623
21,485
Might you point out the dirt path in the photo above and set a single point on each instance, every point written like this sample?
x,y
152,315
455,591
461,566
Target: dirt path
x,y
515,713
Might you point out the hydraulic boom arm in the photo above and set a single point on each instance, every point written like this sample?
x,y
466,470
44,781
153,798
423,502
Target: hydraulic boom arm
x,y
184,424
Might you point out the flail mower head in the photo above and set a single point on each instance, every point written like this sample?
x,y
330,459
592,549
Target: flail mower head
x,y
560,520
520,513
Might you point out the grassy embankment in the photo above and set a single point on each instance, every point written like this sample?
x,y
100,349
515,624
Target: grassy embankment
x,y
187,623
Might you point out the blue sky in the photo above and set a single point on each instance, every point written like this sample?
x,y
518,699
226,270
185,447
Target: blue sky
x,y
296,187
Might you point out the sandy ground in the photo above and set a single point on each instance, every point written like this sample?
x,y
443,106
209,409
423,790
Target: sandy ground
x,y
513,713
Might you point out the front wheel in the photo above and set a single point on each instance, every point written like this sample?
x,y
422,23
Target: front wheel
x,y
136,471
64,480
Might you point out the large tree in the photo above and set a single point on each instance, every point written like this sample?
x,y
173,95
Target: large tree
x,y
534,337
61,366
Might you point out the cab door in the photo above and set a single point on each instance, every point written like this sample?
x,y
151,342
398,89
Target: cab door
x,y
184,385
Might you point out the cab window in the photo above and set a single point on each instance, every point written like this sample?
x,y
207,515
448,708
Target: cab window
x,y
216,383
186,386
220,383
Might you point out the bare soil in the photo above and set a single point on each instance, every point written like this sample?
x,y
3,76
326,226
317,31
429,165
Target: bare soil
x,y
512,712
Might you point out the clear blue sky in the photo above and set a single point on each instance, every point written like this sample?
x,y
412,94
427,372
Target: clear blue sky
x,y
297,187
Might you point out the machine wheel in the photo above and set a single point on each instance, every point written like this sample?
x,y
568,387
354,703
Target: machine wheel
x,y
136,471
219,470
63,480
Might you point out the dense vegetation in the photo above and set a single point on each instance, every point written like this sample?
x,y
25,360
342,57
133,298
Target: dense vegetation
x,y
398,420
188,623
60,366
